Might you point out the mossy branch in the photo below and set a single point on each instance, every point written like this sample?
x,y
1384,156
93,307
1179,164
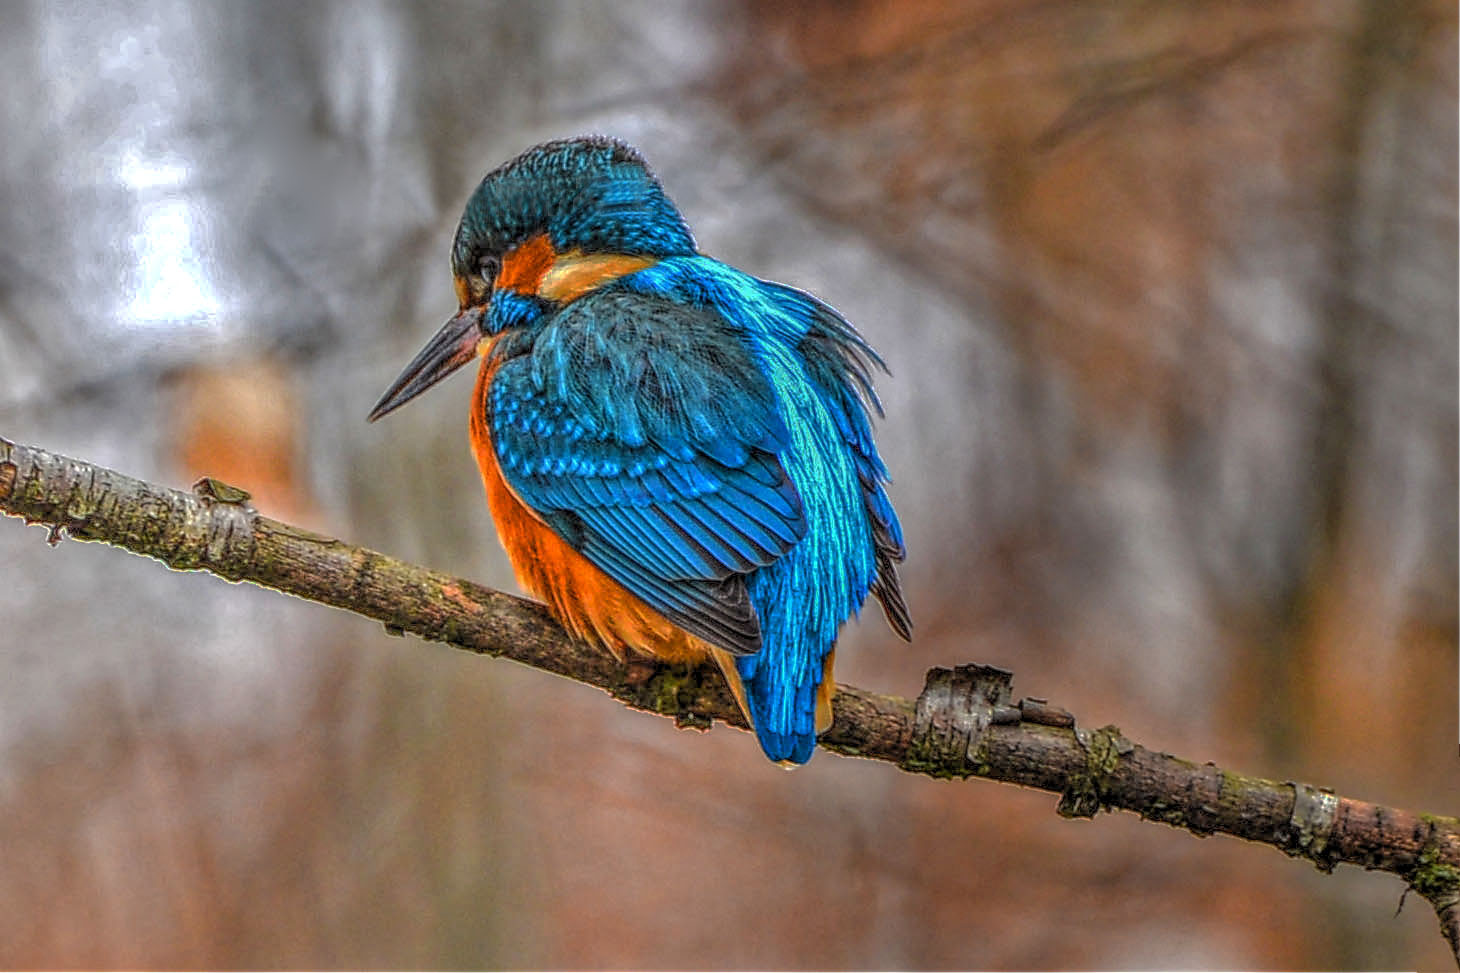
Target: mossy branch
x,y
966,722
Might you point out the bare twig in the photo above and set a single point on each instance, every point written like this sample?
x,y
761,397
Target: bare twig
x,y
965,723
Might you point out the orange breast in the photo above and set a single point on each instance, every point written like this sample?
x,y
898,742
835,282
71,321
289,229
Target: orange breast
x,y
588,602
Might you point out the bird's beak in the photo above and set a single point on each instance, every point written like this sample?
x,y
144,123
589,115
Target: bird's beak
x,y
453,346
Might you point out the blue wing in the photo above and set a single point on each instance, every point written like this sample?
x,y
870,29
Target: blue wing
x,y
839,363
642,431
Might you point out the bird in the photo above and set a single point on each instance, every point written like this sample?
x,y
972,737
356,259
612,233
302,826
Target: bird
x,y
678,456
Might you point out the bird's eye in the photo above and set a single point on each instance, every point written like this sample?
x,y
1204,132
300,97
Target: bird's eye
x,y
488,265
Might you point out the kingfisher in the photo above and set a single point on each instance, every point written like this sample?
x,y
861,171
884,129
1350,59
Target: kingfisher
x,y
678,456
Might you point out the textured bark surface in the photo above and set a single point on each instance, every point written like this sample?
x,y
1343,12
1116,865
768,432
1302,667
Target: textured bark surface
x,y
965,723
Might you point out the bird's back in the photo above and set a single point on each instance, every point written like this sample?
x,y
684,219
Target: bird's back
x,y
818,368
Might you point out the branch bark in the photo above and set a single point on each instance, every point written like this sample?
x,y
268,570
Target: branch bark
x,y
965,723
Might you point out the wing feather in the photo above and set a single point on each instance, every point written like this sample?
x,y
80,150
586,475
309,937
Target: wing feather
x,y
642,429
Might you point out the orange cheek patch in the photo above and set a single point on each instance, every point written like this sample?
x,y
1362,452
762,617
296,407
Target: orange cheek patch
x,y
524,266
575,274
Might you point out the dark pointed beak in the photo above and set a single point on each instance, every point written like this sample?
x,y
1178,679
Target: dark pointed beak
x,y
453,346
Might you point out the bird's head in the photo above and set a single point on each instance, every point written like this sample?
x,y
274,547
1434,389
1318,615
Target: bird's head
x,y
557,221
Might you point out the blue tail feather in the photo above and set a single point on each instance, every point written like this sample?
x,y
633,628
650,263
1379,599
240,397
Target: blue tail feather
x,y
785,723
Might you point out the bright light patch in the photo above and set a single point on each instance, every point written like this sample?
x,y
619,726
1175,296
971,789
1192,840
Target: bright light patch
x,y
170,283
141,172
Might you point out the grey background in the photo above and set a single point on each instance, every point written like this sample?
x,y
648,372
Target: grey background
x,y
1169,297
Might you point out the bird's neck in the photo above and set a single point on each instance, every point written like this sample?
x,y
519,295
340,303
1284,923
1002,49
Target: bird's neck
x,y
574,274
536,280
535,268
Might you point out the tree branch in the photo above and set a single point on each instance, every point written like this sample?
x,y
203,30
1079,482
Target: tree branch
x,y
964,724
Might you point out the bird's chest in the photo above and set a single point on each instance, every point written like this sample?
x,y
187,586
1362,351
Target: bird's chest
x,y
531,545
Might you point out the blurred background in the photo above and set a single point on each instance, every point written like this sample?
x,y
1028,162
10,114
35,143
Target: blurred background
x,y
1168,291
